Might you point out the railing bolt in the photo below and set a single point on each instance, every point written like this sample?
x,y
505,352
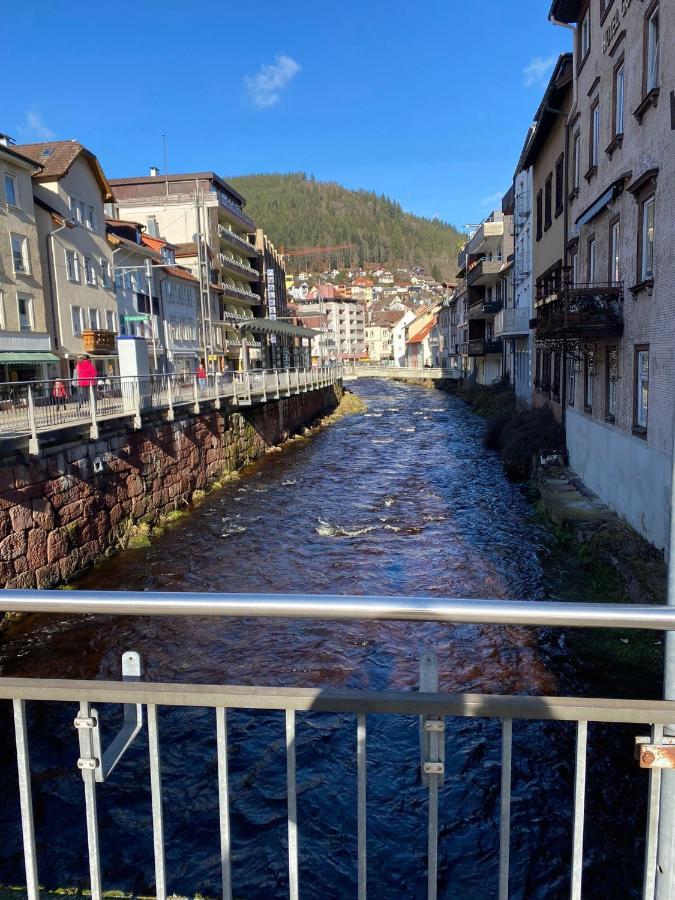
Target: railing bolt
x,y
648,757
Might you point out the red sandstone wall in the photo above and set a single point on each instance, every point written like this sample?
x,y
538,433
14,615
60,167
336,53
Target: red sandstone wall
x,y
58,515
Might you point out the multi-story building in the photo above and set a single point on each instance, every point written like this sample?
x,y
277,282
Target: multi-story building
x,y
399,337
138,303
422,339
282,348
546,153
512,322
204,216
341,323
70,190
25,344
379,335
480,264
615,315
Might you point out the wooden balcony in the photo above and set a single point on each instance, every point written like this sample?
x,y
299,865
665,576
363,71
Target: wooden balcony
x,y
98,342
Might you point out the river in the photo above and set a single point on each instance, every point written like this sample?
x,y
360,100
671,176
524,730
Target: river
x,y
401,500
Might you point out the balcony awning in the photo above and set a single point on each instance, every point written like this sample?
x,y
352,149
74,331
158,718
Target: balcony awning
x,y
598,205
274,326
27,358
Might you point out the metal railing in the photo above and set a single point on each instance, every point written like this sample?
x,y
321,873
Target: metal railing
x,y
366,370
29,409
431,705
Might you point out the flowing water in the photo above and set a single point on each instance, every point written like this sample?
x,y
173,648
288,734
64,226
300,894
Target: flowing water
x,y
401,500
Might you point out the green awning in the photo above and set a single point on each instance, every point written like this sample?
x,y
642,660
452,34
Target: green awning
x,y
274,326
27,359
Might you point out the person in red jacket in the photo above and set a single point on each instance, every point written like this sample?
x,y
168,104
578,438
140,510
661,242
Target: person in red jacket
x,y
85,375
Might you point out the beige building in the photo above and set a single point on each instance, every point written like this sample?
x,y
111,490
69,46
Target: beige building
x,y
70,191
620,309
379,335
203,215
25,344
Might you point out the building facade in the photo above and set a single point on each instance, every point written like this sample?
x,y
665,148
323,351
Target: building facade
x,y
617,311
25,344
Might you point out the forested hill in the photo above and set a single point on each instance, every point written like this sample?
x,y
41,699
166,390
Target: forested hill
x,y
297,211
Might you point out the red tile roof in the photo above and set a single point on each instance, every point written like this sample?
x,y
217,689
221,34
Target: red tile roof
x,y
56,159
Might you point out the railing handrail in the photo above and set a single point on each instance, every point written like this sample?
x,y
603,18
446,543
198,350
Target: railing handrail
x,y
536,613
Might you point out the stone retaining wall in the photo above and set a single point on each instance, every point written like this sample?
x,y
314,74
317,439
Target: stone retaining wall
x,y
63,511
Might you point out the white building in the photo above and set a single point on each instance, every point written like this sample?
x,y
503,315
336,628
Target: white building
x,y
399,337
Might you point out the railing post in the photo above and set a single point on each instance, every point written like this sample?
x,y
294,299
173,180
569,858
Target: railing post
x,y
195,408
93,431
33,448
276,384
217,390
27,829
288,382
432,749
169,398
247,379
157,809
136,387
87,765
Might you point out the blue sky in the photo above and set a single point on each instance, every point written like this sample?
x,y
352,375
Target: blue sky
x,y
428,102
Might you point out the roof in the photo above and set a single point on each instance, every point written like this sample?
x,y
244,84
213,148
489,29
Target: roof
x,y
419,337
188,249
56,159
19,157
180,272
547,115
565,10
185,176
132,245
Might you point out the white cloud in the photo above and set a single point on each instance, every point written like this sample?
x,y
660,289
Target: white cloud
x,y
536,72
266,86
34,128
492,198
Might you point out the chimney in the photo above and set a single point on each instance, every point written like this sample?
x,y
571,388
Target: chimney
x,y
6,140
154,171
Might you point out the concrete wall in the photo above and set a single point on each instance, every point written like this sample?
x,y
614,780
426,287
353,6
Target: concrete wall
x,y
58,515
624,471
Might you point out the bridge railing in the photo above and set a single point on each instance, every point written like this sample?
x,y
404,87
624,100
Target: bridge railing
x,y
362,370
433,707
31,409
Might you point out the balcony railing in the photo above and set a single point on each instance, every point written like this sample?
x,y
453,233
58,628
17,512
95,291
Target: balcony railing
x,y
236,293
583,311
231,206
481,347
513,321
236,241
98,341
239,268
87,699
483,271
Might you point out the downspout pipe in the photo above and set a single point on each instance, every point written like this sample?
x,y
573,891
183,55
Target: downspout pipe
x,y
54,305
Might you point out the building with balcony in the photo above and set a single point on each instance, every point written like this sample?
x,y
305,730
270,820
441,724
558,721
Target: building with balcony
x,y
619,310
205,218
139,311
512,322
70,190
480,264
545,153
341,323
25,344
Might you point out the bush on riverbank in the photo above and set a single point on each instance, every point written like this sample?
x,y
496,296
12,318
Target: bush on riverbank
x,y
521,435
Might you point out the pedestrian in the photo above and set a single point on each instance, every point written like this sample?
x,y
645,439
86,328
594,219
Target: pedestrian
x,y
85,377
59,393
201,377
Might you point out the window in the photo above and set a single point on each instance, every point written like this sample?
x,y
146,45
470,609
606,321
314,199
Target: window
x,y
20,254
641,387
91,217
72,266
571,380
76,319
110,320
647,239
93,318
89,271
11,191
539,214
559,184
25,306
75,210
589,373
653,50
574,267
614,257
577,160
594,137
611,376
619,96
591,261
585,35
548,188
105,272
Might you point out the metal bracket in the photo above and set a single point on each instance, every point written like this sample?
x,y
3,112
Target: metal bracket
x,y
104,761
655,756
432,728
